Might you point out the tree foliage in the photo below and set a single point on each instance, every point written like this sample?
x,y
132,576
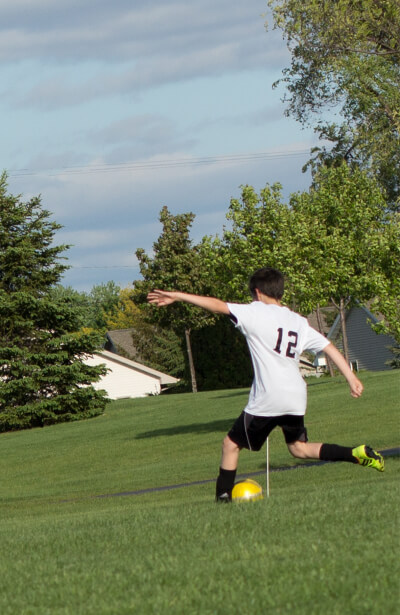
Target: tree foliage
x,y
262,232
175,264
345,55
257,228
334,242
348,247
156,347
96,307
125,314
42,377
102,301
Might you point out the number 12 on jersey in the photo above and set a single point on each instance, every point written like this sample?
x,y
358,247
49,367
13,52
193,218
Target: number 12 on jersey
x,y
291,344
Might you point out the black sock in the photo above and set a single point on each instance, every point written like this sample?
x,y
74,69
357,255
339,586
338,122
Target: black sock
x,y
334,452
225,482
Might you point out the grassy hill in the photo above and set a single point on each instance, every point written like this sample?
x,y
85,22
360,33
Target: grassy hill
x,y
325,541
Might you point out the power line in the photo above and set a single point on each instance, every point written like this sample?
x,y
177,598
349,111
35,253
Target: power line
x,y
143,165
103,266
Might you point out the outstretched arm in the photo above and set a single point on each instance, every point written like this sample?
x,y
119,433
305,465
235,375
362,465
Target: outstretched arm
x,y
165,297
356,386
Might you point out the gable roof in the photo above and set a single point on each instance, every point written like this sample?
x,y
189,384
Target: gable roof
x,y
111,356
334,331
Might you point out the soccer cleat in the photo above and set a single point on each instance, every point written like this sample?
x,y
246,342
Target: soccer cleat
x,y
366,456
223,498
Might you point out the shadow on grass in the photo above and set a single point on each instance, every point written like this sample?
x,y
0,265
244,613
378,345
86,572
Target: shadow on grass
x,y
315,382
226,395
222,425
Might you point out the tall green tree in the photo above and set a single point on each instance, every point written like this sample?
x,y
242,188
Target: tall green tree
x,y
95,307
348,239
335,243
345,57
257,226
387,298
261,232
103,301
80,301
175,264
42,377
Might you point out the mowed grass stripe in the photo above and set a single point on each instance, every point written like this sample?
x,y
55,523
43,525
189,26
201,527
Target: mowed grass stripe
x,y
176,439
326,541
390,452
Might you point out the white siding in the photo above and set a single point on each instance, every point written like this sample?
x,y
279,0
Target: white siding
x,y
122,381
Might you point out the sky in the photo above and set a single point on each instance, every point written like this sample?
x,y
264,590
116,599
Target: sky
x,y
111,110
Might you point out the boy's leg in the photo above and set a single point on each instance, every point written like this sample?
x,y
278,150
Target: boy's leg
x,y
363,455
248,432
297,442
313,450
227,471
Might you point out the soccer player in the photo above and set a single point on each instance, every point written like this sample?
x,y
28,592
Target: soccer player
x,y
276,337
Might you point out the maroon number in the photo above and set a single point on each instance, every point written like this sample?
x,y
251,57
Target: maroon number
x,y
279,341
290,346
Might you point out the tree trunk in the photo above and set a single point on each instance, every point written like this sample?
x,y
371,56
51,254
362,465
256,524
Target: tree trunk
x,y
191,364
342,312
320,328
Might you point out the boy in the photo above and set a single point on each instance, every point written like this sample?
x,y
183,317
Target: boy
x,y
276,338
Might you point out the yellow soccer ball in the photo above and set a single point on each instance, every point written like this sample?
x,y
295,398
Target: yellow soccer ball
x,y
247,490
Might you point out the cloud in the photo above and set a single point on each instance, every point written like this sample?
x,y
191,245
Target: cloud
x,y
131,49
118,108
260,117
120,30
107,215
141,136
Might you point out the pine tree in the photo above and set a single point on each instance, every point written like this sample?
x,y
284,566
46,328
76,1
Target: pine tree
x,y
42,377
175,264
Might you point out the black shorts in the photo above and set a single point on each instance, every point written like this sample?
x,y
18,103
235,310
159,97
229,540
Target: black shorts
x,y
249,431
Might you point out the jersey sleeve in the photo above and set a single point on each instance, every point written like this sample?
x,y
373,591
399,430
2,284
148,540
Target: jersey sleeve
x,y
238,313
315,341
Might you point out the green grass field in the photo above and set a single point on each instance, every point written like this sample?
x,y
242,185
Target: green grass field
x,y
326,541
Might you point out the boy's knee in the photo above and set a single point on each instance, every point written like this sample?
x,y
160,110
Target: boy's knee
x,y
298,449
229,446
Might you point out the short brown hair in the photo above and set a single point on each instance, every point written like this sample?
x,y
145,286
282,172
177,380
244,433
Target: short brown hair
x,y
268,281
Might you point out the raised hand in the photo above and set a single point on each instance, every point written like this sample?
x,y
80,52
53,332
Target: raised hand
x,y
161,297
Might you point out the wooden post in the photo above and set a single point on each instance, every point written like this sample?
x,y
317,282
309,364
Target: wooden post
x,y
320,328
342,311
191,364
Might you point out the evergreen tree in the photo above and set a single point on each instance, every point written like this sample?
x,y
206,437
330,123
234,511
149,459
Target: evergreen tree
x,y
175,265
42,377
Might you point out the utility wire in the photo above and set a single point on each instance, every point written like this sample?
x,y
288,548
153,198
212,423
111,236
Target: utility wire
x,y
103,267
157,164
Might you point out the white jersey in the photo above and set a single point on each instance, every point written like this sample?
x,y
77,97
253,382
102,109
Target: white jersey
x,y
276,337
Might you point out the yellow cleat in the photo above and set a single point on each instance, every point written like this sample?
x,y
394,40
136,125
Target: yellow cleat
x,y
366,456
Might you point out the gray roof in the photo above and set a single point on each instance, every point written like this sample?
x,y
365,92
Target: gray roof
x,y
120,342
369,350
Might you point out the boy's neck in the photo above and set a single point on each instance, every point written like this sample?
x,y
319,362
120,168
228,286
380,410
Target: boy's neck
x,y
267,300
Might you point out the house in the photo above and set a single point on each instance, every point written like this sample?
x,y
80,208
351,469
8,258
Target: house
x,y
367,349
126,378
